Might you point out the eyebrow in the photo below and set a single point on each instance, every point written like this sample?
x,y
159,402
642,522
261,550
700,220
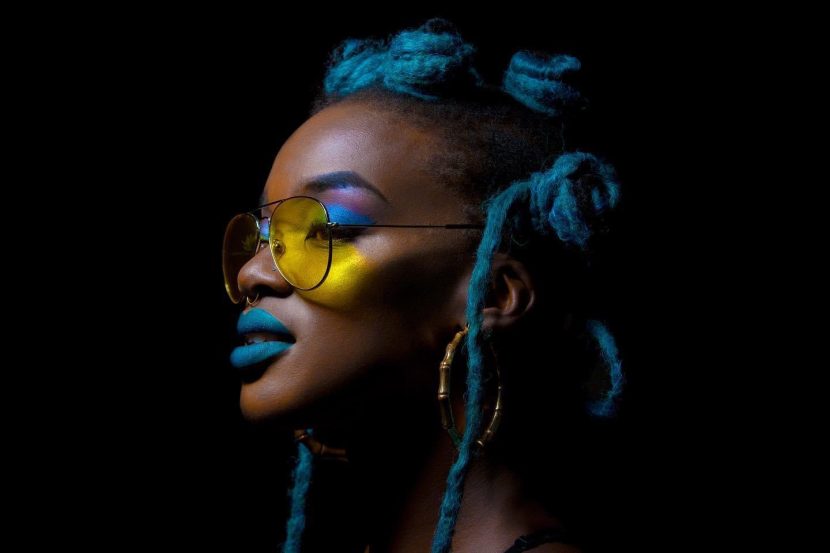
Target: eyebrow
x,y
333,181
340,179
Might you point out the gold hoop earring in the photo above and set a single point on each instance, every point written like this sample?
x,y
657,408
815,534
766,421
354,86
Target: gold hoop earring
x,y
445,405
318,448
249,302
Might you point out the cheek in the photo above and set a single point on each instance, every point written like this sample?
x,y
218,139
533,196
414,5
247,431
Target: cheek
x,y
397,278
348,281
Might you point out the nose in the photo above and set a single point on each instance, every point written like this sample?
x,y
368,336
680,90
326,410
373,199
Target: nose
x,y
259,276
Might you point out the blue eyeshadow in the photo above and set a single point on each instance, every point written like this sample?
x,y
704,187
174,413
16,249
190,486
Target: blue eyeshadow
x,y
341,214
264,224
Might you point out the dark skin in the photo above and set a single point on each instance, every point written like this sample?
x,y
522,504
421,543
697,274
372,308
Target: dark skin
x,y
370,338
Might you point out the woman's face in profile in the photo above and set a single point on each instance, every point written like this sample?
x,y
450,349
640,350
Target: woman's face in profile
x,y
376,328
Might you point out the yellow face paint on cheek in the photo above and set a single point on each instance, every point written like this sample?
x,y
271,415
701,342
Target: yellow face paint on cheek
x,y
349,278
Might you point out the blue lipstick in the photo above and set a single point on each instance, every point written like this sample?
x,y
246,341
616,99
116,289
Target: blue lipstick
x,y
260,321
245,356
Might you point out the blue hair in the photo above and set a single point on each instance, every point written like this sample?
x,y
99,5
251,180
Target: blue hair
x,y
548,196
539,81
415,62
567,200
301,480
605,406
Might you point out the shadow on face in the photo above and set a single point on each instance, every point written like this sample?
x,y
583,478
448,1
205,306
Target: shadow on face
x,y
375,329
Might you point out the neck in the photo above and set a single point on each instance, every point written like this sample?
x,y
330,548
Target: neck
x,y
401,462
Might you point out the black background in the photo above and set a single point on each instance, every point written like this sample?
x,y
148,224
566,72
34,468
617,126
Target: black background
x,y
182,115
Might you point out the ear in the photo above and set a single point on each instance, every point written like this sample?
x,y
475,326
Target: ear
x,y
512,293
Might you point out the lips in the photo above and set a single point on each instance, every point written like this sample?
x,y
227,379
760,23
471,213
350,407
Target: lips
x,y
259,337
259,320
265,337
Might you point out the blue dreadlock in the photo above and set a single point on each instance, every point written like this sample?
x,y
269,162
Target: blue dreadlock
x,y
553,208
432,63
301,480
413,63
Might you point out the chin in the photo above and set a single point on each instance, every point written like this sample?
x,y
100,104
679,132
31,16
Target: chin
x,y
283,408
263,405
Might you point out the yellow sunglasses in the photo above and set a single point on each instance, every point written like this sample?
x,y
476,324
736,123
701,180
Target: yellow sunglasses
x,y
299,235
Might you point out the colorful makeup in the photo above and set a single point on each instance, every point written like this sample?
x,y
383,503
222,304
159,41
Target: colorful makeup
x,y
266,337
350,269
264,226
339,213
251,354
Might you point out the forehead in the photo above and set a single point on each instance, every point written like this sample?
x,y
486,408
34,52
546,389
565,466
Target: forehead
x,y
382,148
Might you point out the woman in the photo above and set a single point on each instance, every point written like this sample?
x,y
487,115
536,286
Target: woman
x,y
418,294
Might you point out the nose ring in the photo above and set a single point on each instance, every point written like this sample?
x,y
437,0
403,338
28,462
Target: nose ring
x,y
249,302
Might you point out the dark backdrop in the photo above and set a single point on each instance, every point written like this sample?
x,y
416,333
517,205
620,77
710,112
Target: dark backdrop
x,y
189,110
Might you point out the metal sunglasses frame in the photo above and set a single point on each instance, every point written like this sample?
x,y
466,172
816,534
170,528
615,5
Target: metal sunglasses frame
x,y
329,226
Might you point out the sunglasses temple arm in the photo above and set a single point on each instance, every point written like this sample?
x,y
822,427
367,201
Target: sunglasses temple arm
x,y
451,226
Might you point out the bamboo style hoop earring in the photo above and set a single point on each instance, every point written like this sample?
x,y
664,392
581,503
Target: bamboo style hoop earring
x,y
447,421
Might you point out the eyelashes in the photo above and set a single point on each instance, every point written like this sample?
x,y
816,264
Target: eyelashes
x,y
339,235
345,216
346,234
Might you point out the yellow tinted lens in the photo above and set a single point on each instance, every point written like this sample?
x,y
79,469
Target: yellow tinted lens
x,y
300,241
240,245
